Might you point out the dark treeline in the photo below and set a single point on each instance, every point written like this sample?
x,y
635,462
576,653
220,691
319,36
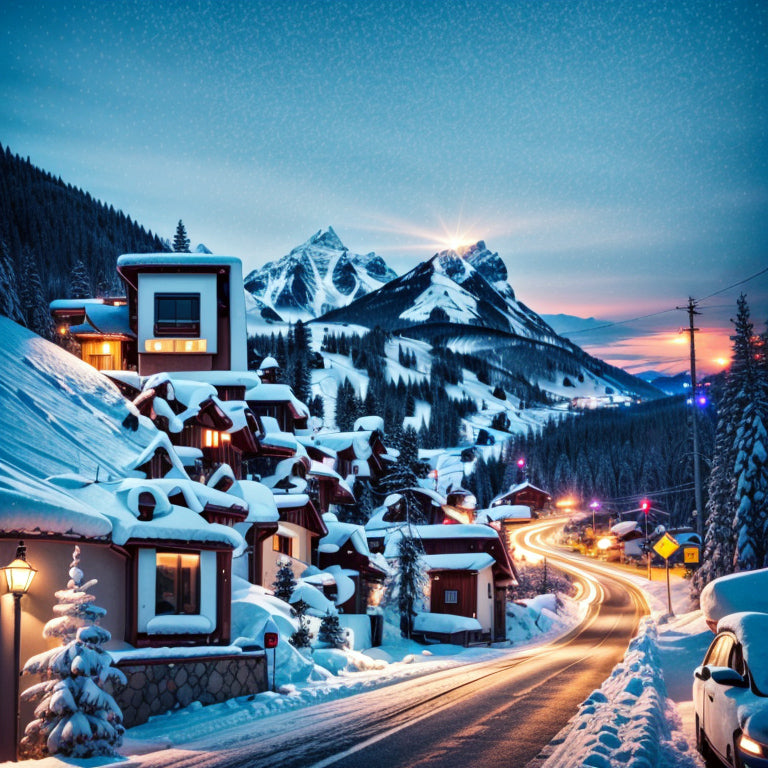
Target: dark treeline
x,y
620,455
54,234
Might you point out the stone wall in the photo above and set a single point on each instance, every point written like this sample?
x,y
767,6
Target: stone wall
x,y
157,685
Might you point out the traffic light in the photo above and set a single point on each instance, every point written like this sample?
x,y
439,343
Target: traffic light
x,y
645,505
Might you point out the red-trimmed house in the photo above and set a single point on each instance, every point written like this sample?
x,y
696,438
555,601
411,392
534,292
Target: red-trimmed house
x,y
526,494
469,574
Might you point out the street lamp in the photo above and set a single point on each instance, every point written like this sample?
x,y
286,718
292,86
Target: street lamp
x,y
18,575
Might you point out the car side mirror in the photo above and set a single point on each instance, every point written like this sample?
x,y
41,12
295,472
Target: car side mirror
x,y
702,673
728,676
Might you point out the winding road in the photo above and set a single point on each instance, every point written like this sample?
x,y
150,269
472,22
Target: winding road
x,y
485,715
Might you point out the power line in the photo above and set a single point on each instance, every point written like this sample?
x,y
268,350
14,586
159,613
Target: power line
x,y
568,334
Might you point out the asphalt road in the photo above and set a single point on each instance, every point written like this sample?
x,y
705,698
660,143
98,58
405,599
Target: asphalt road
x,y
484,715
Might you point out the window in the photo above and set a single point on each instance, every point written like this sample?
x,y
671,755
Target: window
x,y
451,596
282,544
177,314
177,583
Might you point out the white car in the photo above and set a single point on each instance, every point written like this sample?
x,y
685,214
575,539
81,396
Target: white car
x,y
730,694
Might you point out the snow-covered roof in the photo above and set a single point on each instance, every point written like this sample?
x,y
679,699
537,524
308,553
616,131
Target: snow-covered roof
x,y
341,533
279,393
30,506
360,442
318,603
160,440
180,259
462,561
119,503
267,363
369,424
519,487
435,532
223,378
504,512
290,500
437,499
622,529
67,416
260,501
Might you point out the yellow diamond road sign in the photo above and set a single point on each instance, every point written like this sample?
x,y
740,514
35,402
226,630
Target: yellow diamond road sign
x,y
666,546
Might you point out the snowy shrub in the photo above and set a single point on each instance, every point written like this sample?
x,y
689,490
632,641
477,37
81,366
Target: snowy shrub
x,y
74,715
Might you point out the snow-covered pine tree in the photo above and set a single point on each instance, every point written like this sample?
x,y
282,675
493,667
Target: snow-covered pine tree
x,y
410,581
9,297
331,632
80,282
74,716
32,297
302,637
180,239
285,581
750,447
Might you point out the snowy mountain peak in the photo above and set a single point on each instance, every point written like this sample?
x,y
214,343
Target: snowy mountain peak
x,y
326,239
317,276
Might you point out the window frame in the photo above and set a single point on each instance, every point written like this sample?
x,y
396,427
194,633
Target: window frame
x,y
183,328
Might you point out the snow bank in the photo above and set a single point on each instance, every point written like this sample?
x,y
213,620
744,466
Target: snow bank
x,y
444,622
628,721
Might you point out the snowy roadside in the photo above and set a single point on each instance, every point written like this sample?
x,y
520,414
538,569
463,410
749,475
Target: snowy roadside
x,y
641,716
338,674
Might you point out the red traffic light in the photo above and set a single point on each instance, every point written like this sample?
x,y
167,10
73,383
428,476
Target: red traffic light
x,y
645,505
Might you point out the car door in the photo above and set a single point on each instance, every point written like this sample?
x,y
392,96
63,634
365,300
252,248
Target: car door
x,y
718,731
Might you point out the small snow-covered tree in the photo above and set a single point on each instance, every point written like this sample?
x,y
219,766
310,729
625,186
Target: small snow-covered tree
x,y
302,637
331,632
180,239
9,297
410,581
74,715
284,582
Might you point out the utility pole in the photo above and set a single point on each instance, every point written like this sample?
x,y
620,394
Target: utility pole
x,y
691,309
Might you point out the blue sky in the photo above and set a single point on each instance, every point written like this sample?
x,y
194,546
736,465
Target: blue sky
x,y
614,153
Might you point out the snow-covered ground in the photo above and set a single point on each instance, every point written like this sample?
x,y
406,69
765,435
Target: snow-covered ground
x,y
639,718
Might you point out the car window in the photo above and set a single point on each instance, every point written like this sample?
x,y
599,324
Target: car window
x,y
737,659
719,652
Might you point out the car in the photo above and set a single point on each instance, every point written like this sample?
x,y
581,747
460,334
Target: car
x,y
730,694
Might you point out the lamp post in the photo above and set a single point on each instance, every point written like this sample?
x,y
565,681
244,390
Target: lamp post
x,y
18,575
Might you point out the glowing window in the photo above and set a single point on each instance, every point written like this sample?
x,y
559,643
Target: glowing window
x,y
281,544
177,583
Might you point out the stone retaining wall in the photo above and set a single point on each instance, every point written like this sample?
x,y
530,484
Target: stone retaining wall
x,y
157,685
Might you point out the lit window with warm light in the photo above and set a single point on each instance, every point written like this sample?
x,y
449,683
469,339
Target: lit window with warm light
x,y
210,438
176,346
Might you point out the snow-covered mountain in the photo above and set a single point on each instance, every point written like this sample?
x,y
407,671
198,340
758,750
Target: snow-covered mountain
x,y
466,287
315,277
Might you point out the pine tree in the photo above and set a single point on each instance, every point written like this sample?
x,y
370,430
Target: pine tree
x,y
80,282
750,468
9,297
180,239
302,637
331,632
32,297
410,581
75,716
284,582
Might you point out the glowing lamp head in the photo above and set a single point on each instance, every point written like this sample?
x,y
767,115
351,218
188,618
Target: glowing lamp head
x,y
645,505
19,573
594,505
521,463
604,544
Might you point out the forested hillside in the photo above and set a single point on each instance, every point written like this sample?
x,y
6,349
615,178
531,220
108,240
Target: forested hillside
x,y
617,456
57,241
